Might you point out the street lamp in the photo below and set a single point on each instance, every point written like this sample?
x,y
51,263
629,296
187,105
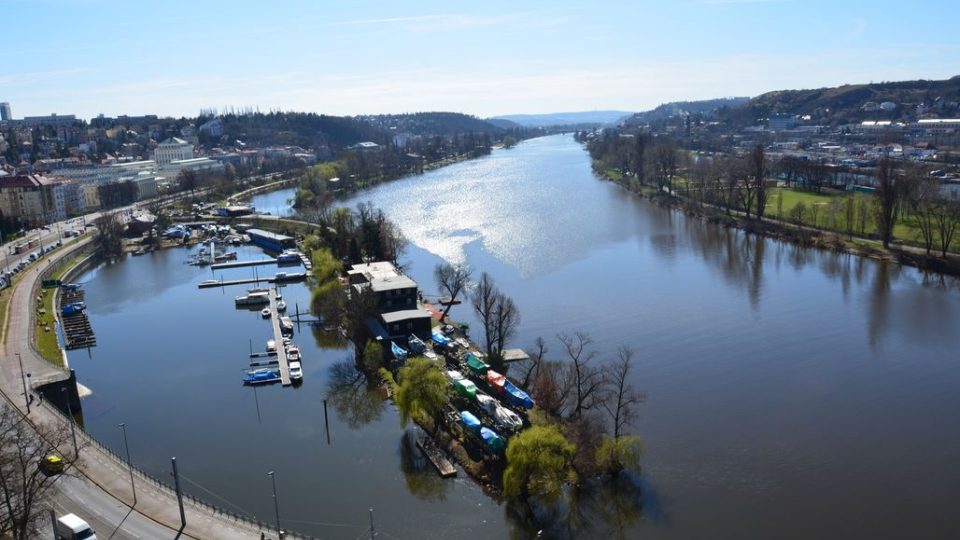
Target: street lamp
x,y
276,505
73,424
23,379
133,487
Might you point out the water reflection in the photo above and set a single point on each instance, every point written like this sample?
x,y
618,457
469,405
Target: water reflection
x,y
356,401
601,508
422,479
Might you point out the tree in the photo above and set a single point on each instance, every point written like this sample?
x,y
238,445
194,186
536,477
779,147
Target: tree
x,y
616,454
536,359
423,391
586,380
109,239
484,301
187,181
758,172
23,486
889,191
921,194
539,462
621,398
372,356
452,279
506,319
947,222
849,210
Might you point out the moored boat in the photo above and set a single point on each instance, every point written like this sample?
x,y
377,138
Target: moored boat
x,y
266,313
416,344
398,352
261,376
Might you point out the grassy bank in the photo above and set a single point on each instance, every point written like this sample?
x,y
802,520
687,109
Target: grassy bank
x,y
47,344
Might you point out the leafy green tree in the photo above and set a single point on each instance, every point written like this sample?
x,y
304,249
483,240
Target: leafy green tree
x,y
423,390
326,271
617,454
539,462
372,356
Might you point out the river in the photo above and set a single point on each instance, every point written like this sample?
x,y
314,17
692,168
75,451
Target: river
x,y
791,393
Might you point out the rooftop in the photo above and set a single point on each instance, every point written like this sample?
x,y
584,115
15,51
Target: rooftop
x,y
267,234
404,315
382,276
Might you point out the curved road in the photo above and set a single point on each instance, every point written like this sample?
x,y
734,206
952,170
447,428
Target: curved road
x,y
100,487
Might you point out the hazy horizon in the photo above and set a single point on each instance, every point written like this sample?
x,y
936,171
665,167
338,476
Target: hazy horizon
x,y
87,57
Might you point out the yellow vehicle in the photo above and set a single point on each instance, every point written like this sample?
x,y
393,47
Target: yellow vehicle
x,y
52,464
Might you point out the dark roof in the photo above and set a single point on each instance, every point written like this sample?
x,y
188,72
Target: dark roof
x,y
27,180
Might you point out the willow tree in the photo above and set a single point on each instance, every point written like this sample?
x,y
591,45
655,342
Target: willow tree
x,y
423,390
539,462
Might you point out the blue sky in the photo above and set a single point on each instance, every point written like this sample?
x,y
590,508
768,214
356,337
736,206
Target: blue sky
x,y
174,57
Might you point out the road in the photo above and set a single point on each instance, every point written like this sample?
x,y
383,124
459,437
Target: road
x,y
102,490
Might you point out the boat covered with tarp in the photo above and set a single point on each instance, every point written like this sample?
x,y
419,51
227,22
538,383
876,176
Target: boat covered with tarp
x,y
440,339
492,439
261,376
508,418
488,403
398,352
466,388
517,396
469,420
495,380
476,365
416,344
454,375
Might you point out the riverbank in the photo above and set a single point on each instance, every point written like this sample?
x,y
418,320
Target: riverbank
x,y
801,235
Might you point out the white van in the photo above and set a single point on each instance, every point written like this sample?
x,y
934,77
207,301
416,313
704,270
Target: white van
x,y
71,527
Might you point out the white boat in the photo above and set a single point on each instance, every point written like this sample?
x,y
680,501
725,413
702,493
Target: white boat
x,y
266,313
289,256
286,325
293,353
281,306
271,346
253,299
296,371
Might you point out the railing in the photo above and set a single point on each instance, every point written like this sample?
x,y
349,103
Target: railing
x,y
239,518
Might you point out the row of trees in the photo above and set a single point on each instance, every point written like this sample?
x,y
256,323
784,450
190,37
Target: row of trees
x,y
904,191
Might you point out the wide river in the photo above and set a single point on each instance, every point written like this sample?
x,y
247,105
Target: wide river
x,y
791,393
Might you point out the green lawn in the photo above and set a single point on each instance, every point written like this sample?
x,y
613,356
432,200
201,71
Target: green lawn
x,y
47,343
906,229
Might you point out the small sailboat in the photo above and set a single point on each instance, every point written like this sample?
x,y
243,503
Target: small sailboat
x,y
281,306
265,313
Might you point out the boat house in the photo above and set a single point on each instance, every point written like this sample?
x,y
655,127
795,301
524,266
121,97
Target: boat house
x,y
399,312
270,240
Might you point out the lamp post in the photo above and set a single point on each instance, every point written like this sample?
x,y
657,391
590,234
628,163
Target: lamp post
x,y
133,487
23,379
73,424
276,505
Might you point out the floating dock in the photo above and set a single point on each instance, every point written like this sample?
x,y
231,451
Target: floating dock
x,y
77,331
278,339
299,276
241,264
436,457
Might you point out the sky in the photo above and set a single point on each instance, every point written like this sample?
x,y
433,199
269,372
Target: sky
x,y
173,57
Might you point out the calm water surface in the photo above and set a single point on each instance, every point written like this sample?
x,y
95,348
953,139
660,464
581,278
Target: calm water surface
x,y
790,393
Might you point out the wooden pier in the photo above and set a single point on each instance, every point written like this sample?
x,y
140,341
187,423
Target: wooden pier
x,y
241,264
77,332
278,339
436,457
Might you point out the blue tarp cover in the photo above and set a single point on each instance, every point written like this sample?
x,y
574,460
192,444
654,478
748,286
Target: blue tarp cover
x,y
469,420
517,396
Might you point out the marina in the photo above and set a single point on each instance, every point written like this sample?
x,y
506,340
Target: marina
x,y
287,277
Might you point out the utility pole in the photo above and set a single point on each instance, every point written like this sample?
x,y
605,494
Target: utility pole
x,y
373,533
23,379
133,487
73,423
176,483
276,504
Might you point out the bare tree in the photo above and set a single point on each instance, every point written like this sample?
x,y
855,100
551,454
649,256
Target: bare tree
x,y
23,486
889,188
506,319
947,221
452,279
484,301
758,174
921,194
586,380
621,399
536,359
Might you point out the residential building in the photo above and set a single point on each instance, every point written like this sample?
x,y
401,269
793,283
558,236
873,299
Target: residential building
x,y
780,122
172,149
5,114
32,198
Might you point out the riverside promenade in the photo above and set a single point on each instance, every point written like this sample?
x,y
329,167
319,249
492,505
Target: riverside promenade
x,y
156,513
